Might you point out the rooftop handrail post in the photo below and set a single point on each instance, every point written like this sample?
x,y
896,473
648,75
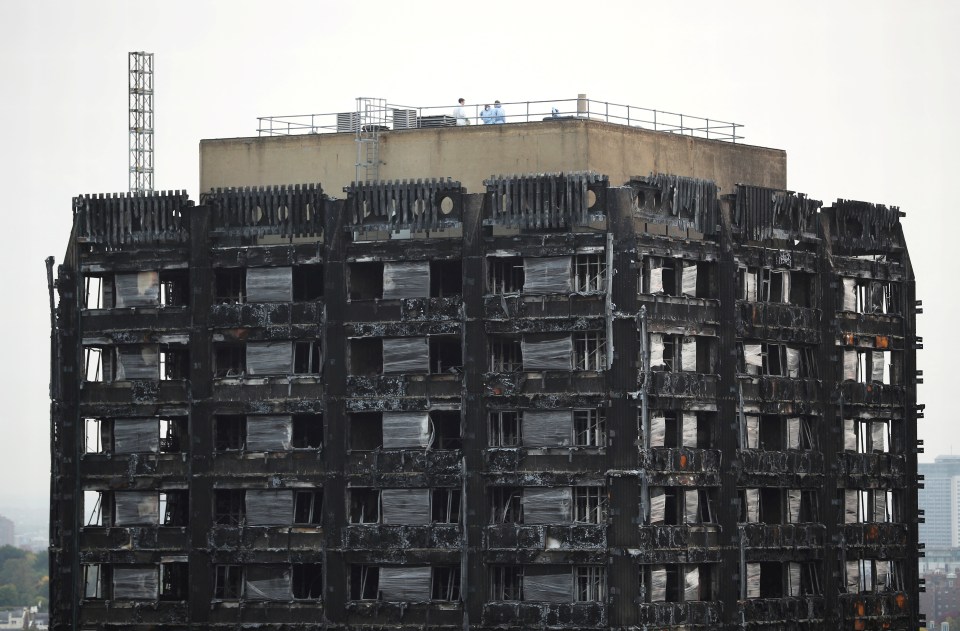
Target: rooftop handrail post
x,y
628,116
654,120
606,111
681,124
528,111
708,128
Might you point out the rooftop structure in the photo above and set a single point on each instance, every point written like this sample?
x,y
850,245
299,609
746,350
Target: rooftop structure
x,y
631,383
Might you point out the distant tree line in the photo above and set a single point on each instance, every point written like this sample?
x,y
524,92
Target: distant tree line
x,y
23,577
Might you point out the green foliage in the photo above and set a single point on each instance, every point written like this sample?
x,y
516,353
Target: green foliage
x,y
23,577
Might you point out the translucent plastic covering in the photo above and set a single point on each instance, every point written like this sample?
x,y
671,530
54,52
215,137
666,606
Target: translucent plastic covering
x,y
688,279
406,355
849,435
405,506
547,584
688,354
883,574
849,365
270,284
405,583
658,505
793,433
853,577
793,362
141,289
656,280
752,497
139,583
658,583
753,431
880,505
658,431
136,507
793,505
547,428
689,421
878,430
849,294
793,586
406,280
751,278
543,505
878,359
786,286
407,430
266,582
547,275
691,583
753,580
269,358
269,433
269,507
691,506
656,350
850,505
551,352
752,357
138,362
136,435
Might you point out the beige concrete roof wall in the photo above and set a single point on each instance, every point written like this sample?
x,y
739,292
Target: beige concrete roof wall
x,y
472,154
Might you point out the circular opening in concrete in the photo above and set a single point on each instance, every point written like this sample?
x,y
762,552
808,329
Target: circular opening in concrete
x,y
591,199
257,214
446,205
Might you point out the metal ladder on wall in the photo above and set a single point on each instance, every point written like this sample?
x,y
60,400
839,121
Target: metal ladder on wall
x,y
371,121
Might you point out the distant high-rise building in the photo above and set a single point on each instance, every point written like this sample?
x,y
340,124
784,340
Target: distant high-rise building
x,y
940,500
7,532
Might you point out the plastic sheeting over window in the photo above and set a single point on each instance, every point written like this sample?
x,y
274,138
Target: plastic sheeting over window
x,y
656,350
546,428
658,505
658,583
849,365
406,355
849,435
656,280
407,430
406,280
658,431
546,505
269,507
139,583
688,354
753,431
793,577
553,352
752,357
138,362
849,294
878,360
270,284
793,362
547,584
141,289
136,508
267,582
137,435
752,498
270,358
691,583
688,279
691,506
269,433
753,580
880,505
793,433
793,505
405,583
689,423
850,506
547,275
853,577
405,506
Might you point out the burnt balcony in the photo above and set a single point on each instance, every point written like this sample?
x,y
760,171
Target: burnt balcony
x,y
800,537
678,543
778,322
306,315
701,314
160,319
299,463
236,614
780,468
784,389
148,468
684,384
681,466
267,539
514,307
139,538
394,537
512,459
546,537
439,385
871,470
439,615
855,393
878,608
552,381
405,310
134,391
793,609
870,324
125,613
873,535
529,615
664,614
405,468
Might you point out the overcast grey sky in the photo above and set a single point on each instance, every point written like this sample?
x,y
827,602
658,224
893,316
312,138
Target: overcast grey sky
x,y
862,96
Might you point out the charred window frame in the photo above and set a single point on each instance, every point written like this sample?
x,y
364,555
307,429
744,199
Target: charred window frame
x,y
506,582
506,504
97,508
230,432
774,360
446,354
174,363
230,285
98,291
660,276
366,431
97,581
590,583
307,431
229,507
446,278
97,435
445,506
174,508
174,580
590,504
366,355
590,427
364,506
98,364
229,360
445,583
307,581
678,505
307,282
669,583
173,431
873,365
506,354
872,435
228,582
505,428
774,285
869,296
590,272
504,274
446,428
174,288
365,280
364,582
590,351
308,507
307,357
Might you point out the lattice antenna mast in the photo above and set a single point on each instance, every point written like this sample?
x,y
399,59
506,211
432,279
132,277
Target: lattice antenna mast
x,y
141,122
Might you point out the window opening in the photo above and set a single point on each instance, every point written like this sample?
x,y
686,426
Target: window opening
x,y
446,354
229,507
506,582
366,431
446,428
98,292
504,274
364,506
307,358
366,280
308,507
590,427
307,431
591,583
364,582
446,279
174,508
230,285
229,360
366,356
307,581
590,351
230,432
172,431
228,582
590,504
307,282
505,354
591,272
445,583
97,436
174,288
96,581
174,581
504,428
445,506
506,505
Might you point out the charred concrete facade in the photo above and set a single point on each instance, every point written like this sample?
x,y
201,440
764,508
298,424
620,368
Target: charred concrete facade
x,y
557,402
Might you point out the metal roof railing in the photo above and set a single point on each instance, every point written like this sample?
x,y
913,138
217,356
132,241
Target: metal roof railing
x,y
397,117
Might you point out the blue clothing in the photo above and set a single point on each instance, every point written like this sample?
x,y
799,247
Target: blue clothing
x,y
487,116
499,116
